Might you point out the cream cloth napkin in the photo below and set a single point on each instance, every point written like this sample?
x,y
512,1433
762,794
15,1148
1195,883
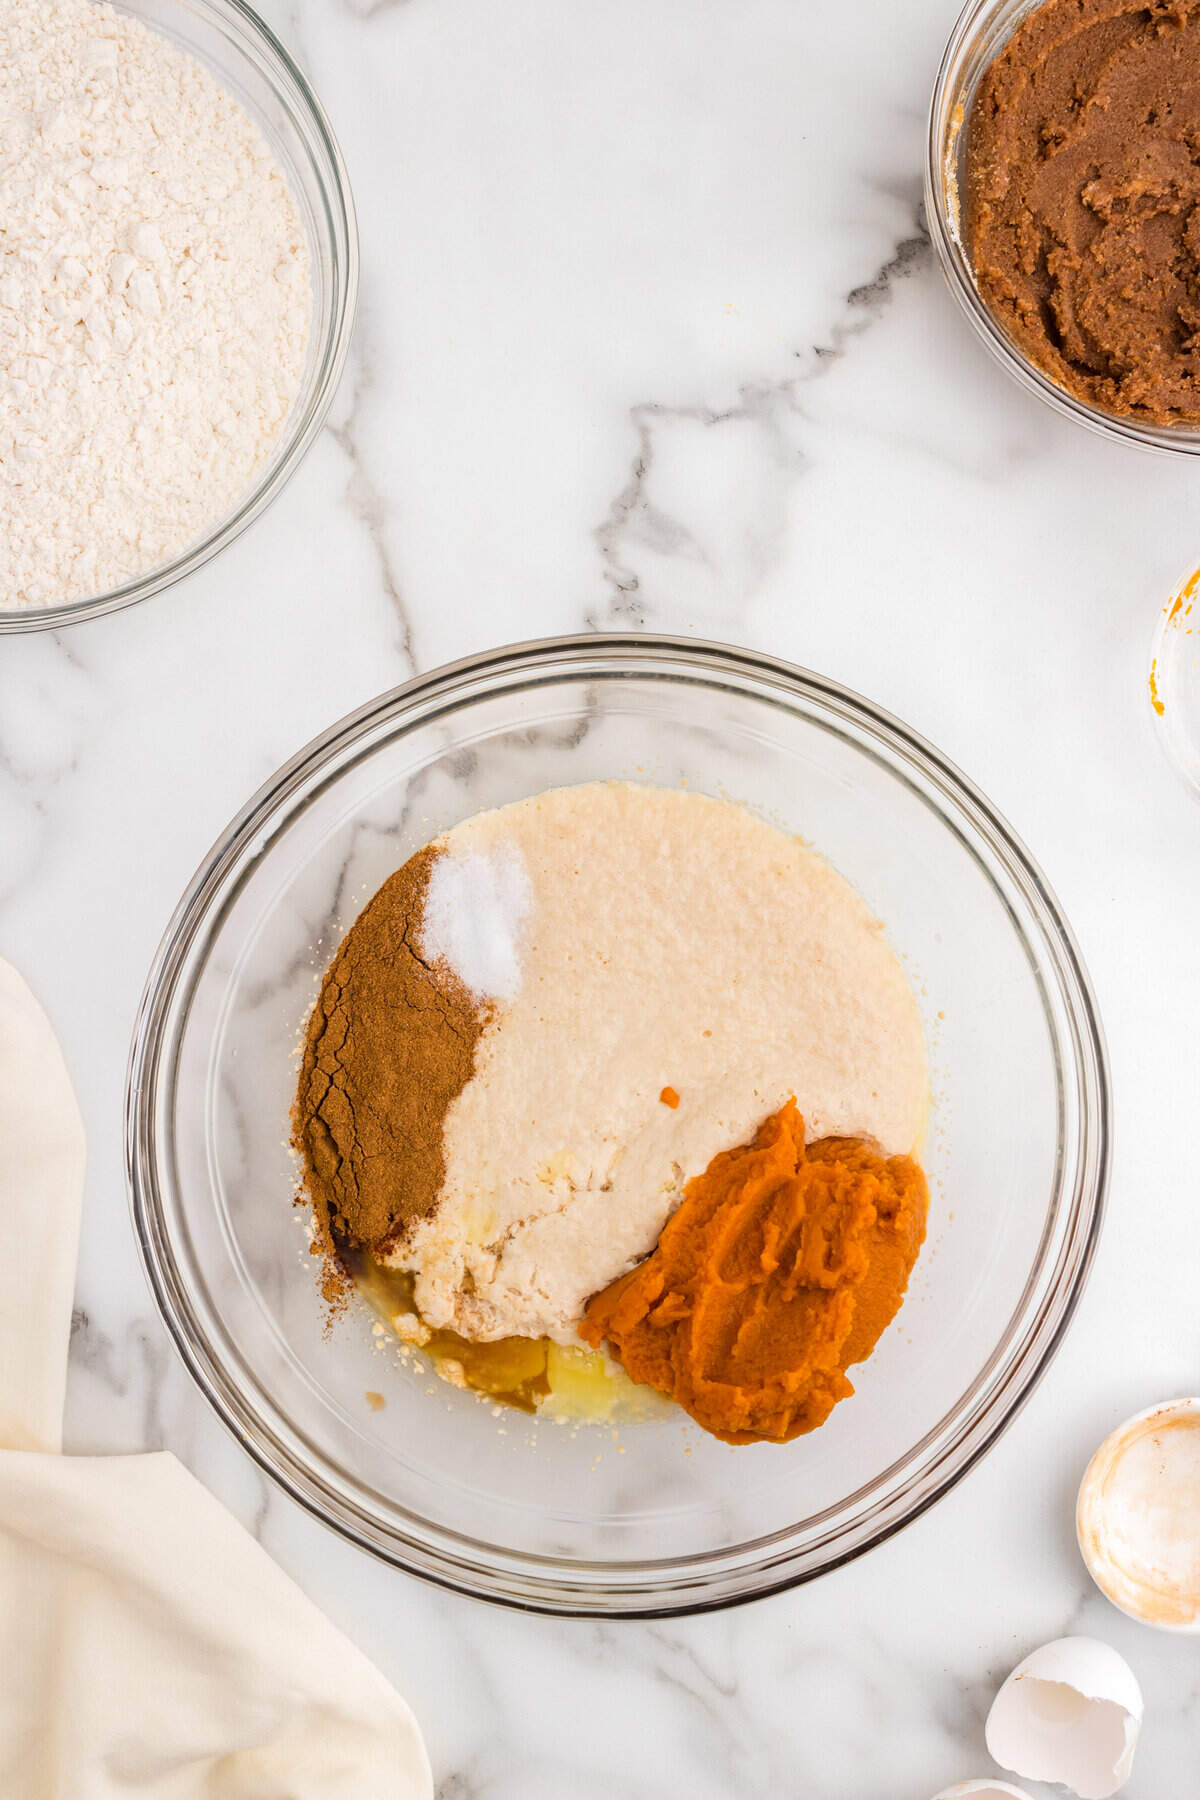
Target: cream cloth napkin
x,y
148,1646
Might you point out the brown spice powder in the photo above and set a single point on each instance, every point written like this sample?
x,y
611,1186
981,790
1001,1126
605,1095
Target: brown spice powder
x,y
391,1043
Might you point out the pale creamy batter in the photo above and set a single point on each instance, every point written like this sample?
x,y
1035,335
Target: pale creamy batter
x,y
663,940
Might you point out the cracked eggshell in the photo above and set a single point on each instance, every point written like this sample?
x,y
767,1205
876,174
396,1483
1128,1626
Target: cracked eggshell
x,y
1138,1516
1071,1713
983,1790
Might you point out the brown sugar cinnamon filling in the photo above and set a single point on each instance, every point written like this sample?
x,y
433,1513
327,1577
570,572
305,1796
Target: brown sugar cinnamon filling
x,y
1082,200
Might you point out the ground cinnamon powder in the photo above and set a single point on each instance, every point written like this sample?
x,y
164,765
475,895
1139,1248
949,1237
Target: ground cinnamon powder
x,y
390,1044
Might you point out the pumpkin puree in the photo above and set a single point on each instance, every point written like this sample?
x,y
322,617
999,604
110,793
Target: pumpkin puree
x,y
781,1266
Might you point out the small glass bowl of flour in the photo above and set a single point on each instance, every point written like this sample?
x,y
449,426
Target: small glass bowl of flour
x,y
178,275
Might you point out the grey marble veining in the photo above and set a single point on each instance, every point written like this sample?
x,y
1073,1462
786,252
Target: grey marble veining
x,y
651,336
362,495
734,439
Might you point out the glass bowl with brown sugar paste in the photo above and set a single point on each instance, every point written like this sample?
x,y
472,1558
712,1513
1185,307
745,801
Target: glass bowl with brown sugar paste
x,y
1060,208
649,1515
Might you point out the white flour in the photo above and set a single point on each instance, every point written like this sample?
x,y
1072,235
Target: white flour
x,y
154,300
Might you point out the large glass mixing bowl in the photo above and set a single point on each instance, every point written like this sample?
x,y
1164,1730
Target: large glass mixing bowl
x,y
663,1520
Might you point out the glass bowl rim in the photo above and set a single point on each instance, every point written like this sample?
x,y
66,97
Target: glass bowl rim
x,y
979,1417
1180,747
1163,440
296,94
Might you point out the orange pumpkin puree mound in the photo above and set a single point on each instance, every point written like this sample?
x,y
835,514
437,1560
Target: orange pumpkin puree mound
x,y
780,1267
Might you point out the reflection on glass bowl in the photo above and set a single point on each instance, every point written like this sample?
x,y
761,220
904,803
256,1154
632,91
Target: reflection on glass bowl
x,y
663,1520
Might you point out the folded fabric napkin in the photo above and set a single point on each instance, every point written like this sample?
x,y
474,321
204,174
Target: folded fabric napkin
x,y
148,1646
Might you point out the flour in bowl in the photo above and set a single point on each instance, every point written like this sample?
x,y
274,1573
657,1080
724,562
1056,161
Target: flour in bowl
x,y
154,301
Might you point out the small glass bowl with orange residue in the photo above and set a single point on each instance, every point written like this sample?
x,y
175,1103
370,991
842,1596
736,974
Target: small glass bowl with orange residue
x,y
1174,685
648,1516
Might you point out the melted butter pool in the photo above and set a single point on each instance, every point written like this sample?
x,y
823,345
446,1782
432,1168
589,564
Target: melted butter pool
x,y
535,1375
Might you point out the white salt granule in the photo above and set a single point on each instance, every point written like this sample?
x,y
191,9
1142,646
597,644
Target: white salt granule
x,y
474,909
154,300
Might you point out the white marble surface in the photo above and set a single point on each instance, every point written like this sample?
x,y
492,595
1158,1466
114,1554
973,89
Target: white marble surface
x,y
650,332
